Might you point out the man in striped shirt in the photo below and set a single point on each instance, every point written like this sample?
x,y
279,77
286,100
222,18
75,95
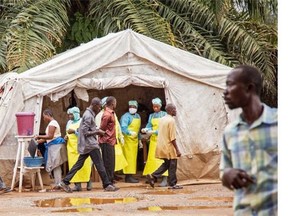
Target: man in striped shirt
x,y
249,153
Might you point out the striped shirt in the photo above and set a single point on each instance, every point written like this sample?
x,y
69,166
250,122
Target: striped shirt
x,y
253,148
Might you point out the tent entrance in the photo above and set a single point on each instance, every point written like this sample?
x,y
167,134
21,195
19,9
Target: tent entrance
x,y
143,95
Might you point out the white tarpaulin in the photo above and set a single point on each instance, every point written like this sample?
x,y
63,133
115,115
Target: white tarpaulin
x,y
194,84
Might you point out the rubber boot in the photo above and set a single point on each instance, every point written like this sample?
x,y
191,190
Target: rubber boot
x,y
89,185
130,179
164,182
77,187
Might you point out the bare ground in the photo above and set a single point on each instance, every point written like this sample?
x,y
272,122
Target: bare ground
x,y
131,199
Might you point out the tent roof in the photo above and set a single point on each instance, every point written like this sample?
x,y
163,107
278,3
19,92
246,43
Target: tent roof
x,y
100,52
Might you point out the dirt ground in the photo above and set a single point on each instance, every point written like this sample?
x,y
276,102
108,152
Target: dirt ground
x,y
131,199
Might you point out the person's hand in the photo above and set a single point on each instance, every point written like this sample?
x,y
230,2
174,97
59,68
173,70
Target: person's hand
x,y
70,131
236,179
178,153
144,130
133,134
100,132
140,144
66,137
39,141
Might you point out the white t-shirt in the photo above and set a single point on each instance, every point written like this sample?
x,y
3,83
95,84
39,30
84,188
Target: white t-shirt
x,y
57,132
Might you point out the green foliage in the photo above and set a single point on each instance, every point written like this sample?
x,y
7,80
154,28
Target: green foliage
x,y
230,32
31,30
117,15
83,29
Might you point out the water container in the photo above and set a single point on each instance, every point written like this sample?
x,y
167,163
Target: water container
x,y
25,123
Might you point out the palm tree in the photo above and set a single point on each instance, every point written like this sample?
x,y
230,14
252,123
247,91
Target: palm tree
x,y
30,31
230,32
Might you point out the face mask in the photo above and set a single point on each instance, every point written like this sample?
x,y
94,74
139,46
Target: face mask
x,y
132,110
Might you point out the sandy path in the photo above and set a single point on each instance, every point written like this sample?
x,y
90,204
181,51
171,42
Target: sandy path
x,y
205,199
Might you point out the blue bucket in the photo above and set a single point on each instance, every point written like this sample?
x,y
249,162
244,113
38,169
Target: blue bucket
x,y
33,162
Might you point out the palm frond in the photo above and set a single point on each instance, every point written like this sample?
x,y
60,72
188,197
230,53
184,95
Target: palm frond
x,y
254,45
191,23
33,32
136,15
264,11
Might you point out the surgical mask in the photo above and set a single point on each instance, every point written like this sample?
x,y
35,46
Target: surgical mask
x,y
132,110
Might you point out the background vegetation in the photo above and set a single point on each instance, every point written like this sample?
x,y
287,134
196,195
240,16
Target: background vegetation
x,y
230,32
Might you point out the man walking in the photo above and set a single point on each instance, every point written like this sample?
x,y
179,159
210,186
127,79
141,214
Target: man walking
x,y
89,146
167,149
249,152
108,140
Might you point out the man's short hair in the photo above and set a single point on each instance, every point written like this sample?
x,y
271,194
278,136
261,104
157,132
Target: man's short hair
x,y
169,107
251,74
110,100
48,112
95,101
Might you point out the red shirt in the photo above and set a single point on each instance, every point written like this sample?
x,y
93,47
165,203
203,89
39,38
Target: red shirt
x,y
108,125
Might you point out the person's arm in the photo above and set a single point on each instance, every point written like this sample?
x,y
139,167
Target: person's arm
x,y
232,178
148,128
149,123
68,124
104,121
49,136
176,148
124,123
138,132
86,127
172,136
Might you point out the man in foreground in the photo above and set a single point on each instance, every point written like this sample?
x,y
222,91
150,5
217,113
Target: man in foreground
x,y
249,153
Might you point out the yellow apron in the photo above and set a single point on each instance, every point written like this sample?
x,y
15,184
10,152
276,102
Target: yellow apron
x,y
83,175
120,160
152,163
130,147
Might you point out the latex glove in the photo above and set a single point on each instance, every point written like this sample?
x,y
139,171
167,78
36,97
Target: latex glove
x,y
140,144
150,132
133,134
144,130
122,141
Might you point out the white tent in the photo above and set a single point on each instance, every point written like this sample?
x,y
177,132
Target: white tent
x,y
119,61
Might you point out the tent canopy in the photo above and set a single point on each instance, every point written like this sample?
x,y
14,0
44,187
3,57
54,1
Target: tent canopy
x,y
118,60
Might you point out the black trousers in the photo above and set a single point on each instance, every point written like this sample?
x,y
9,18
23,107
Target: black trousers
x,y
108,155
171,166
95,155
